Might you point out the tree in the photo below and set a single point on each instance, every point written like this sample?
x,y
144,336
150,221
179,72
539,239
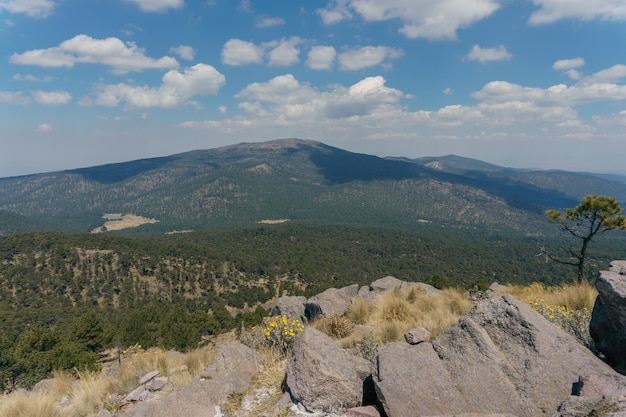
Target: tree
x,y
596,214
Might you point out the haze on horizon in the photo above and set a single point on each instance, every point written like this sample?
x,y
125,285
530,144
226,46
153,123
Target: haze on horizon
x,y
524,84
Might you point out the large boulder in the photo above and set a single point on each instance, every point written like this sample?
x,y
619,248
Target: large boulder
x,y
332,301
323,377
608,319
390,283
290,306
502,357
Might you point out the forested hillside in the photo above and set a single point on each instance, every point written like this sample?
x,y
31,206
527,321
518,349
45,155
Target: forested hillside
x,y
293,181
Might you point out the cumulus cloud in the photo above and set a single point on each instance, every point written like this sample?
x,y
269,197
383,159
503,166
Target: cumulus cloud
x,y
44,128
52,97
488,54
32,8
285,53
367,56
121,57
566,64
614,74
183,51
176,89
158,5
14,97
237,53
553,10
321,58
419,18
268,22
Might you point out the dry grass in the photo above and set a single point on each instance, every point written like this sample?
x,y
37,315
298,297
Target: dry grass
x,y
91,392
396,312
571,296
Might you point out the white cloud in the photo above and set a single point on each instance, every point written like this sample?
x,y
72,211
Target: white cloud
x,y
32,8
44,128
552,10
321,58
176,90
183,51
14,97
489,54
268,22
613,74
52,97
30,77
158,5
367,56
448,91
335,13
429,19
567,64
121,57
237,52
285,53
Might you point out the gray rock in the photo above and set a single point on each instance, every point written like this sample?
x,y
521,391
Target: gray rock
x,y
291,306
332,301
502,357
596,395
148,377
364,411
138,394
390,283
231,371
608,319
104,413
415,336
45,385
157,383
322,376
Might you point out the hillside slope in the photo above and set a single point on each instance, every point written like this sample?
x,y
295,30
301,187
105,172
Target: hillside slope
x,y
297,181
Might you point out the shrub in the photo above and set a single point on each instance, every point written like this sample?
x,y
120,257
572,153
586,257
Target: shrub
x,y
275,332
574,322
335,326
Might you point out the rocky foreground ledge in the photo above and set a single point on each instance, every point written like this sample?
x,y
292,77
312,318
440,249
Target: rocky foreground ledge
x,y
500,359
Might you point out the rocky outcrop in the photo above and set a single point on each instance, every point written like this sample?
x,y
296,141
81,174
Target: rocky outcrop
x,y
332,301
608,319
502,357
231,372
290,306
390,283
322,376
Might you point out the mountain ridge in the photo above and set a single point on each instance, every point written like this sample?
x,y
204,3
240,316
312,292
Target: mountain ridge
x,y
301,180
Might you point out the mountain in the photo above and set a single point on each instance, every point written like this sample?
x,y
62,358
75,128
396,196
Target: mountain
x,y
292,180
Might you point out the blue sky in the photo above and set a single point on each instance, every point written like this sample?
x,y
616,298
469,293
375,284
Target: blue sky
x,y
520,83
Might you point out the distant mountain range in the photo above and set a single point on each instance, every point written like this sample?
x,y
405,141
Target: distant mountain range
x,y
292,180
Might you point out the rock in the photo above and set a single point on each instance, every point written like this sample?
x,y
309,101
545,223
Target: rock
x,y
148,377
104,413
390,283
502,357
291,306
608,319
45,385
181,368
138,394
365,411
332,301
322,376
157,383
595,395
415,336
231,371
65,401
